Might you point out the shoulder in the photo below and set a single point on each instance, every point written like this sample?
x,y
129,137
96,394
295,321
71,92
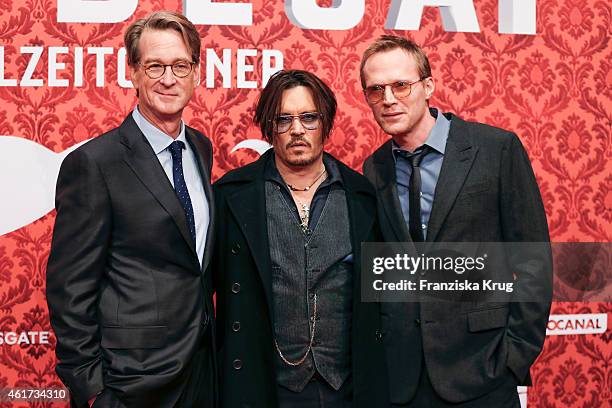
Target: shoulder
x,y
244,174
201,136
352,180
99,149
482,133
382,153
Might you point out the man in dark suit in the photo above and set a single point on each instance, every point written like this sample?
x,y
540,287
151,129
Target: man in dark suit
x,y
292,330
441,179
130,303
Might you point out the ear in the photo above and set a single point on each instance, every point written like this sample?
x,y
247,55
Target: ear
x,y
134,76
430,87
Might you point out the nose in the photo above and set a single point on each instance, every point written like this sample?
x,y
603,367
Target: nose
x,y
389,96
168,79
296,126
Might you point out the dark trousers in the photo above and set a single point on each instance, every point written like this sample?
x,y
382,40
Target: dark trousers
x,y
317,394
199,390
505,396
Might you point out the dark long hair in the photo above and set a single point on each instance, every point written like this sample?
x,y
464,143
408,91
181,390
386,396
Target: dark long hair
x,y
270,99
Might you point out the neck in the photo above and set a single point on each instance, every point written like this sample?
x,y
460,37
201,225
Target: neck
x,y
170,125
299,176
418,135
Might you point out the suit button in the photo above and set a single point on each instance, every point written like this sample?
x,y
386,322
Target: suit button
x,y
236,287
236,248
236,326
237,364
417,322
379,336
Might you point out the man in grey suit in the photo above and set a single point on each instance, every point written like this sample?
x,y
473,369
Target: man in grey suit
x,y
442,179
130,302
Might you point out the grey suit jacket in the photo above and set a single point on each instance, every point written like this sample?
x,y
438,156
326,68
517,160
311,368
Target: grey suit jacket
x,y
486,192
129,300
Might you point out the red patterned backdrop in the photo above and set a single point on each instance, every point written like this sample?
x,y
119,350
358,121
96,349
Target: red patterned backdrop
x,y
553,88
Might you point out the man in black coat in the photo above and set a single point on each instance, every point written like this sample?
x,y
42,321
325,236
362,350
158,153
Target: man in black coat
x,y
292,330
130,303
439,180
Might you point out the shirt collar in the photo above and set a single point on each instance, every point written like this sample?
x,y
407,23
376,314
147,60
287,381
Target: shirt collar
x,y
333,172
158,140
437,136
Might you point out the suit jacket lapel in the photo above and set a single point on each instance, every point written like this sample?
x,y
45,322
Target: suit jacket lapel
x,y
386,185
204,158
248,205
458,160
142,160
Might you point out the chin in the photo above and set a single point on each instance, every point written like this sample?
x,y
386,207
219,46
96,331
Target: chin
x,y
301,160
169,110
395,130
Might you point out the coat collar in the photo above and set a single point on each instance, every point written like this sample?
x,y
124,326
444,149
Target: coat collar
x,y
256,171
247,202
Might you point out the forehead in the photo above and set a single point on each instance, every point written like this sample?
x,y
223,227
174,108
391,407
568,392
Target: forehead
x,y
390,66
297,100
162,45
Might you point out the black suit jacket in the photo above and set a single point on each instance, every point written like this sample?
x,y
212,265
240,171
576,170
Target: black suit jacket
x,y
243,283
486,192
128,297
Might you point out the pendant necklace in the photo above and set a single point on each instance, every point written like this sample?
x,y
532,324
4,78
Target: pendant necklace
x,y
304,215
294,188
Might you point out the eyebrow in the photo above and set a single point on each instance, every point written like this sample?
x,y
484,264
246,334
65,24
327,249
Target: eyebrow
x,y
158,61
301,113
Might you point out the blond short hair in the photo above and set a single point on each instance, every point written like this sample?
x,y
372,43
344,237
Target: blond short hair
x,y
391,42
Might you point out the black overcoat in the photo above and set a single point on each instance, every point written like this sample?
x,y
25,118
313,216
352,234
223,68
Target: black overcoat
x,y
242,279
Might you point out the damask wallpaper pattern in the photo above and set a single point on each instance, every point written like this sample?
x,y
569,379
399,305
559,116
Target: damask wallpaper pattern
x,y
554,89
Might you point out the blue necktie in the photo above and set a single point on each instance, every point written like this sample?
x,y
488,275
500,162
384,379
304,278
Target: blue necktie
x,y
180,187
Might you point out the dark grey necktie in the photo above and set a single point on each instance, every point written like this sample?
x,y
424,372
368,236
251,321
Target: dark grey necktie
x,y
414,223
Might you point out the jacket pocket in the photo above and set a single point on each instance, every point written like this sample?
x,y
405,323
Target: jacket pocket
x,y
487,319
146,337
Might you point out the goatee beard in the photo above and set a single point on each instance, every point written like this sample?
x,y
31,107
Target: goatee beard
x,y
303,162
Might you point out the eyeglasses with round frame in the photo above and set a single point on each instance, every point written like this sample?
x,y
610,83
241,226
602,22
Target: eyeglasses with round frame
x,y
400,89
180,69
309,120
